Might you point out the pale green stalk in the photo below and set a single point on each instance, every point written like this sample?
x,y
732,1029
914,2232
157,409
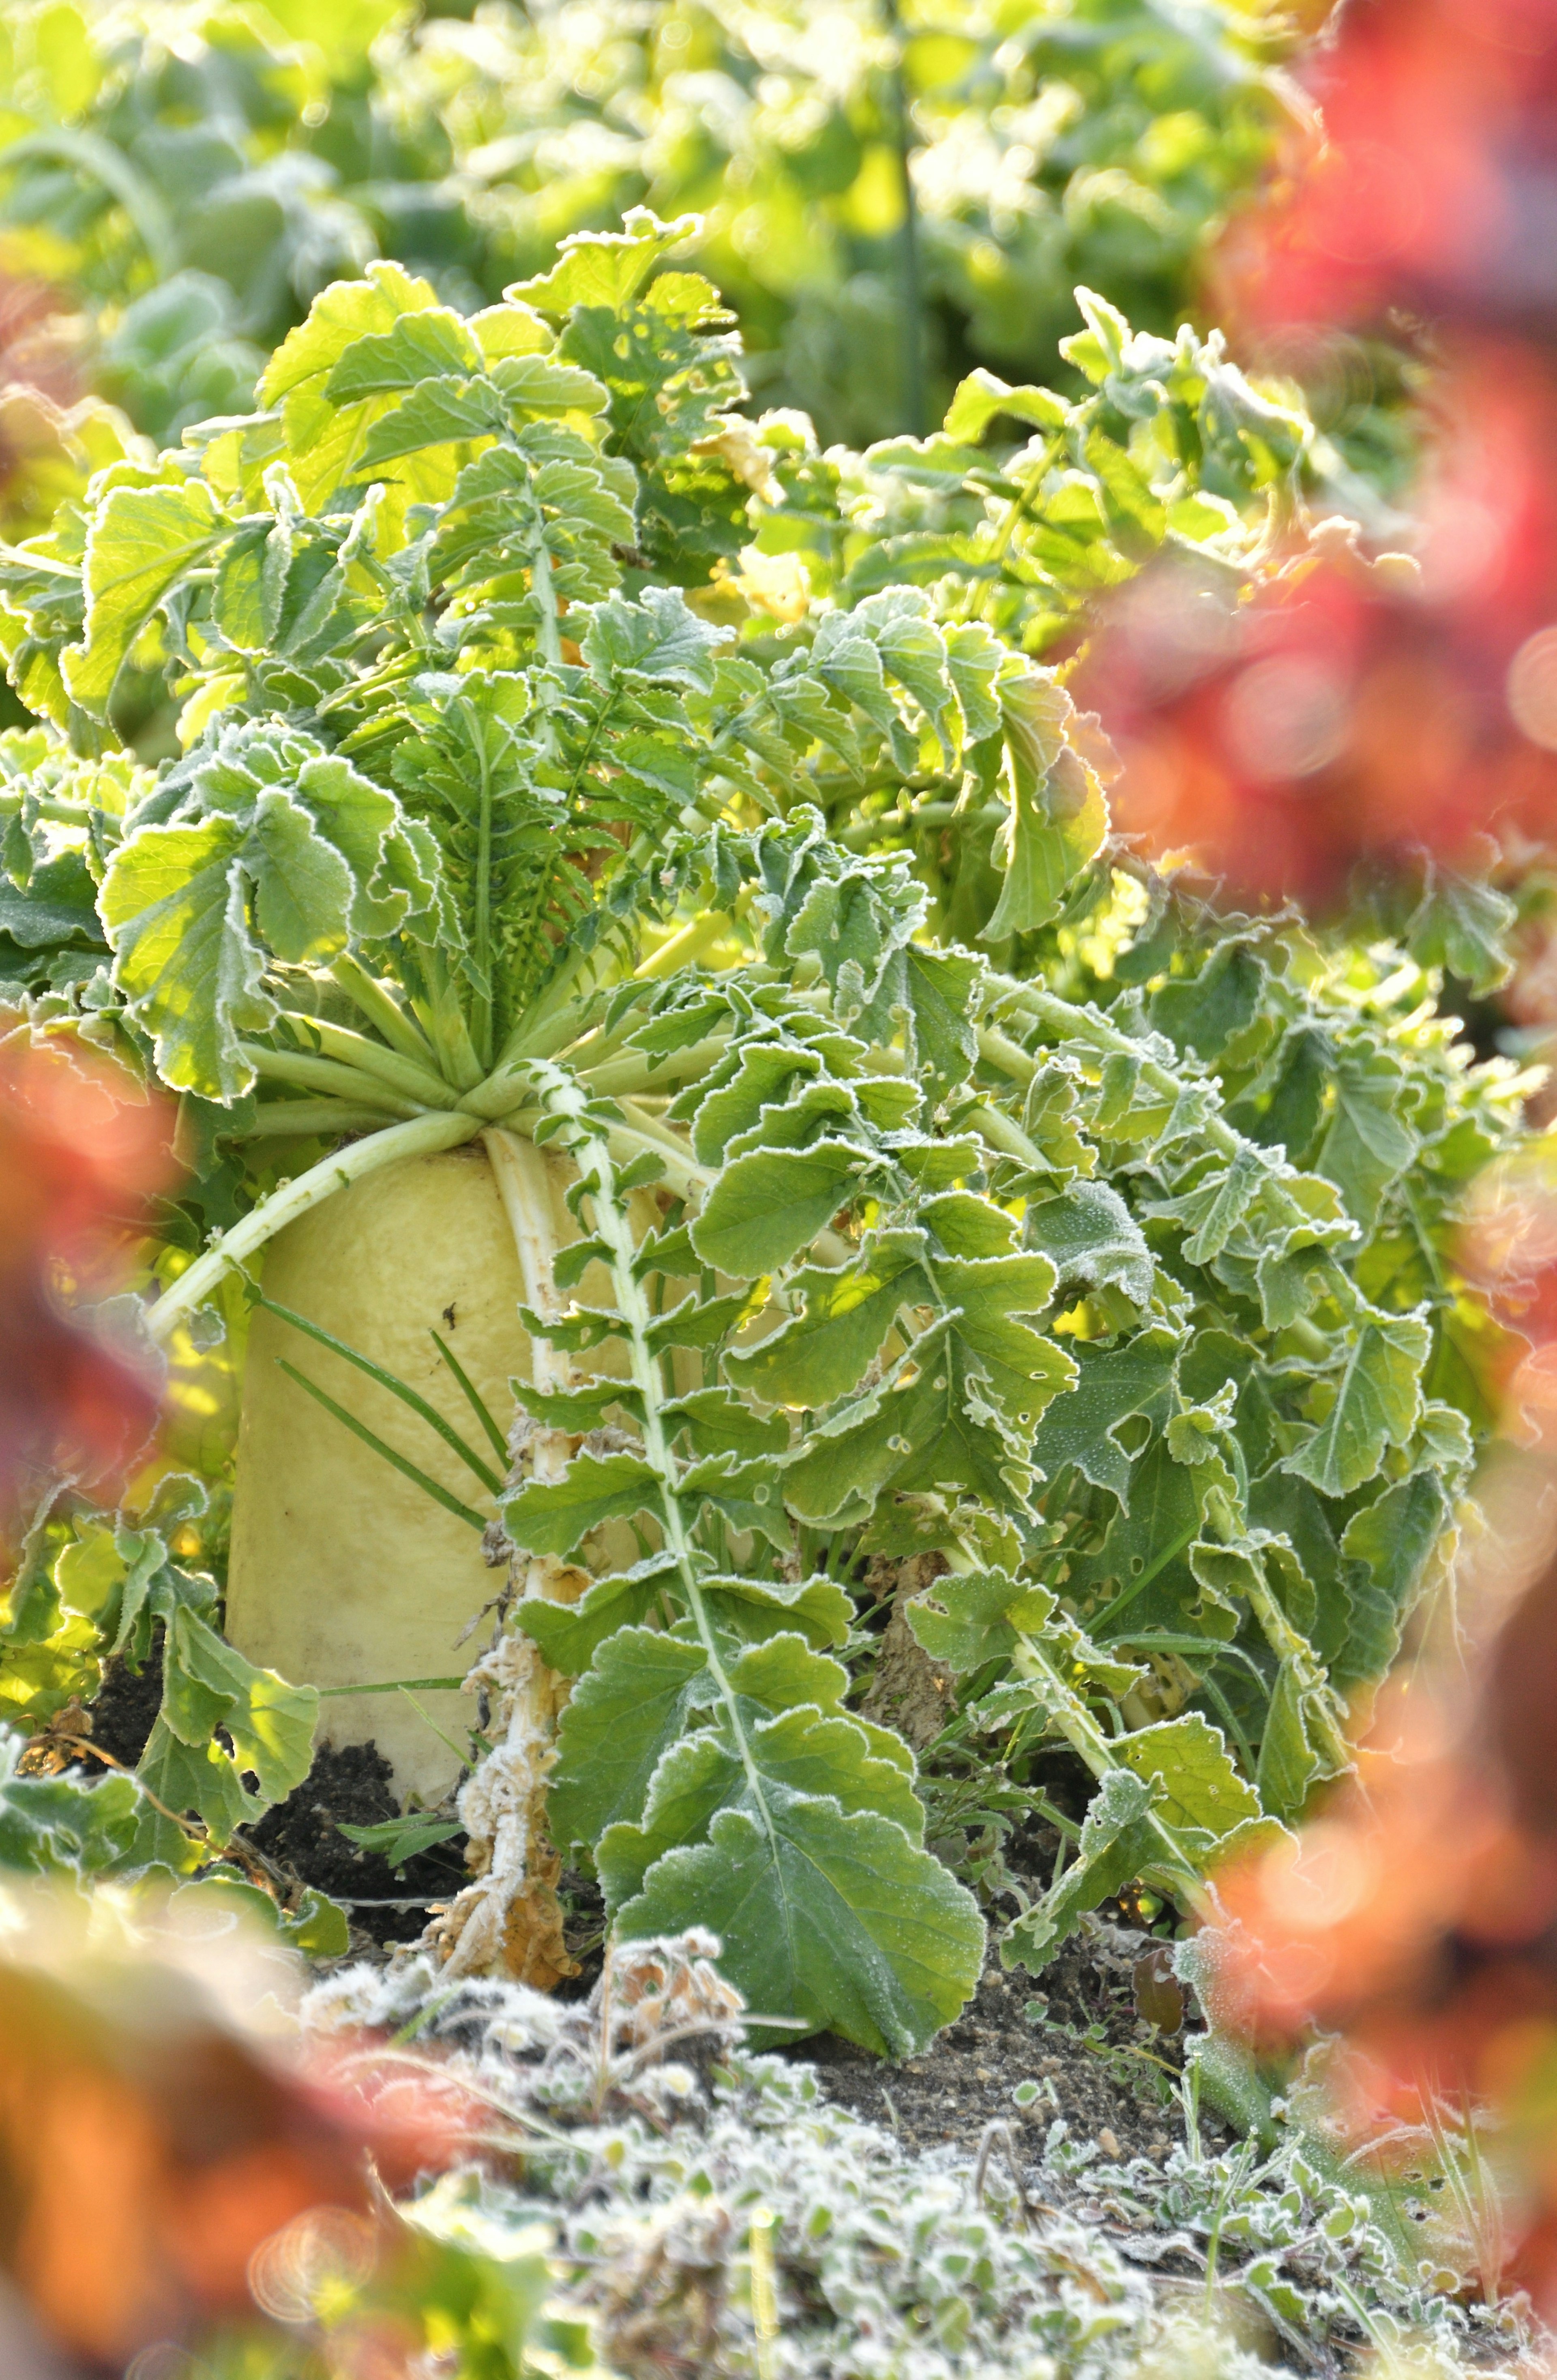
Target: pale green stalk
x,y
379,1007
421,1137
309,1120
591,1153
413,1078
304,1071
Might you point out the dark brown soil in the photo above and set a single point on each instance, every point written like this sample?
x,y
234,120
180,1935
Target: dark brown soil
x,y
302,1837
1074,2032
128,1702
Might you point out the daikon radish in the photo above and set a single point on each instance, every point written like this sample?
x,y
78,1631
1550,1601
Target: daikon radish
x,y
344,1573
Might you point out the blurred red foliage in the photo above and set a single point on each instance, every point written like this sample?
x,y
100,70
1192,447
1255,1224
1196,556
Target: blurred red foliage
x,y
82,1153
1346,712
1355,709
1436,192
163,2165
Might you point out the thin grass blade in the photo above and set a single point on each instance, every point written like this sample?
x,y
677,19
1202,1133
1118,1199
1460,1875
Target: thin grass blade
x,y
398,1462
489,1479
393,1686
477,1402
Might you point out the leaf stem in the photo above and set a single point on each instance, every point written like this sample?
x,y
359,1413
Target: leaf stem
x,y
379,1007
397,1387
421,1137
304,1071
307,1120
413,1077
636,1071
481,1003
567,1099
400,1463
690,942
446,1028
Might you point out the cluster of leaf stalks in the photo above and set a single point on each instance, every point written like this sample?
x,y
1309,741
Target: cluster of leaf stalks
x,y
574,766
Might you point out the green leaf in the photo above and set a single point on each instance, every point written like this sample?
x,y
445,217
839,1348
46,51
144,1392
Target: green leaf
x,y
752,1610
1117,1841
1465,925
1289,1764
1137,520
142,540
1393,1539
657,638
929,1427
419,346
438,413
1189,1760
769,1204
1058,814
190,1780
1208,1013
555,1516
190,911
982,398
832,1917
632,1704
1021,1370
341,316
316,1927
207,1684
931,995
174,906
604,269
540,385
979,1618
822,1352
1211,1212
1365,1145
782,1734
402,1839
570,1634
1092,1240
1111,1385
1378,1398
63,1825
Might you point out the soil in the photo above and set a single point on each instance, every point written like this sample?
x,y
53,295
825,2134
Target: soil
x,y
1101,2032
128,1703
1075,2031
302,1836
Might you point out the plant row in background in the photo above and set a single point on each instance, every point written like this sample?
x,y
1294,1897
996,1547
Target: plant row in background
x,y
575,769
189,176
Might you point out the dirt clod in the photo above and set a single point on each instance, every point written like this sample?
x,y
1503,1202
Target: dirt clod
x,y
349,1784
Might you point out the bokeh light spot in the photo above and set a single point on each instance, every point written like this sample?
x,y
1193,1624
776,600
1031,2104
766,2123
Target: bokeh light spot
x,y
1532,689
324,2255
1287,717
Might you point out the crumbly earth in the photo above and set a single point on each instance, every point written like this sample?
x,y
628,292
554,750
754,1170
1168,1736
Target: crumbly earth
x,y
1074,2033
350,1784
127,1704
